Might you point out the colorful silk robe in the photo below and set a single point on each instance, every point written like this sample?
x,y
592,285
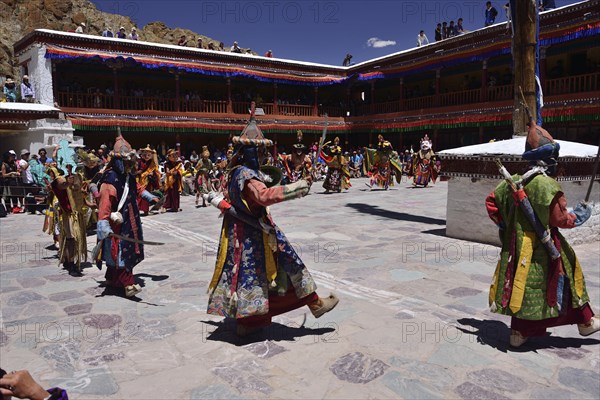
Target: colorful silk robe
x,y
425,167
251,262
116,252
526,283
338,174
378,166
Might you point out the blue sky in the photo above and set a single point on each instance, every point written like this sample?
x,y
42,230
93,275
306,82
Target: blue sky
x,y
310,30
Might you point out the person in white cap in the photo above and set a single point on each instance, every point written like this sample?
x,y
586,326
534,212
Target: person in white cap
x,y
80,28
121,34
10,90
27,91
235,48
133,35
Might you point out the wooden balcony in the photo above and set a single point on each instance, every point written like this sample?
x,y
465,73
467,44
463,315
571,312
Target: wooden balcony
x,y
137,103
571,85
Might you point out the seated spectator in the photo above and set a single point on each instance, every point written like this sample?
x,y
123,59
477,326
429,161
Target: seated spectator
x,y
558,71
235,48
438,32
211,46
133,35
269,54
27,91
200,44
21,384
121,34
10,90
444,30
108,32
422,39
182,41
80,28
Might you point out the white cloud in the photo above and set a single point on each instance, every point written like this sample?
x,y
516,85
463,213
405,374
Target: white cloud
x,y
378,43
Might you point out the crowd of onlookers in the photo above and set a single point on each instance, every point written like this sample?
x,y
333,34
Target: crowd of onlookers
x,y
183,40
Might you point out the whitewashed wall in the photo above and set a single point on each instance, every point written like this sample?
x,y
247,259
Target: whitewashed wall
x,y
40,73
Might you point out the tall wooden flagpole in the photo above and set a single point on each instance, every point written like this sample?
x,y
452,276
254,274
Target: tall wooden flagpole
x,y
524,50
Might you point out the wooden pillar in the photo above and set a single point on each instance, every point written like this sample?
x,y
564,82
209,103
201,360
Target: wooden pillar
x,y
229,103
116,104
55,84
348,102
481,134
275,105
484,82
177,93
543,66
370,138
436,99
315,111
523,50
372,97
436,136
401,94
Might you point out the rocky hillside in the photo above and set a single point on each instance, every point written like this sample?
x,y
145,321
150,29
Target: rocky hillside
x,y
20,17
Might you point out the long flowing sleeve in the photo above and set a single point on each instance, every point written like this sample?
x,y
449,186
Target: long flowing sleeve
x,y
258,193
559,216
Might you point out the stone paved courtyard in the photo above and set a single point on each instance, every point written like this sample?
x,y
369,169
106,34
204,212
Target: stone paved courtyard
x,y
412,322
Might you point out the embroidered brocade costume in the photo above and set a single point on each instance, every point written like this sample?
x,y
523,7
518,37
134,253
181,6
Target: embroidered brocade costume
x,y
252,264
526,284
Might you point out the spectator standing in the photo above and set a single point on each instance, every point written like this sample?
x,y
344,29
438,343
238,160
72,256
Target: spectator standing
x,y
490,14
10,177
221,46
269,54
44,159
235,48
10,90
422,39
133,35
451,29
444,30
108,32
211,46
27,91
438,32
26,177
121,34
182,41
459,27
347,60
200,43
80,28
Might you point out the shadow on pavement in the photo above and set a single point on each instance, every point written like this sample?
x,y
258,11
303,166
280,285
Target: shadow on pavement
x,y
496,334
225,331
375,210
436,232
139,278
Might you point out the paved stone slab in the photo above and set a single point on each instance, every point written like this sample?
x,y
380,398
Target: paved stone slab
x,y
412,322
358,368
469,391
581,380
